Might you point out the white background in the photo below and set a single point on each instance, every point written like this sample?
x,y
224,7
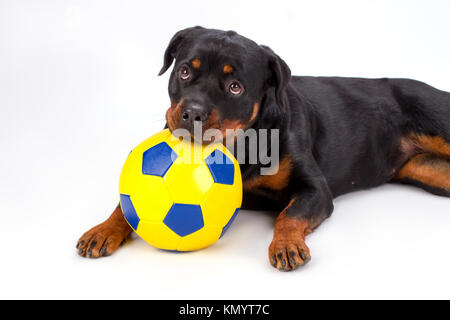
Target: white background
x,y
78,89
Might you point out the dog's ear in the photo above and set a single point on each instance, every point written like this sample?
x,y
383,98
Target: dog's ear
x,y
279,74
174,46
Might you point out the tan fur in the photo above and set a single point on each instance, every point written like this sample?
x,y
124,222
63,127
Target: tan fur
x,y
255,112
278,181
436,145
288,249
434,172
227,69
173,115
196,63
105,238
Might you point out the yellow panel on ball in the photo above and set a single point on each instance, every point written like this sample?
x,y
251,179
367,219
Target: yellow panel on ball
x,y
188,183
131,172
158,235
226,194
200,239
219,205
152,198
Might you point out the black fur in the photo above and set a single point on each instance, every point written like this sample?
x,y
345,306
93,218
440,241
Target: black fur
x,y
341,134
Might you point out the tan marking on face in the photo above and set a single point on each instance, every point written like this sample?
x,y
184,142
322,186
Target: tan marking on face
x,y
173,115
213,121
237,124
227,69
196,63
255,112
277,181
231,125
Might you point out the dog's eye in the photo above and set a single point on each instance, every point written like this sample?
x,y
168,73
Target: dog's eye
x,y
235,88
185,73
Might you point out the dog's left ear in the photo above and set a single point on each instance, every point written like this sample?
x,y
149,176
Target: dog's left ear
x,y
279,76
174,46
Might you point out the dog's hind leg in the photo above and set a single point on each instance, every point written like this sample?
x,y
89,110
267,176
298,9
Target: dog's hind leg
x,y
435,145
429,171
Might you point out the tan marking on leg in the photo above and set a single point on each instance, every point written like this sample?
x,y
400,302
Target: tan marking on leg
x,y
103,239
437,145
288,249
427,169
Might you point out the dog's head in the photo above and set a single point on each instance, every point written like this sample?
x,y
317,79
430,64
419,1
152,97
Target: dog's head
x,y
220,79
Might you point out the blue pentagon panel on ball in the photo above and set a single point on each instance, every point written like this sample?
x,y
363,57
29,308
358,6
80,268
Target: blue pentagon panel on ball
x,y
221,167
158,159
128,211
184,219
229,222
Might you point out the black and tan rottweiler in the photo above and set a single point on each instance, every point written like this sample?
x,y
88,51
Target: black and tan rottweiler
x,y
337,135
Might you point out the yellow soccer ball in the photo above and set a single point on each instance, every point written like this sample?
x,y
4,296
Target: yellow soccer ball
x,y
179,195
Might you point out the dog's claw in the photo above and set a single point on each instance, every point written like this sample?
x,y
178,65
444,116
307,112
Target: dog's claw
x,y
274,261
102,250
292,258
305,257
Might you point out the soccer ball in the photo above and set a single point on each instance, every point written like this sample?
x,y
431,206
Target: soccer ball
x,y
179,195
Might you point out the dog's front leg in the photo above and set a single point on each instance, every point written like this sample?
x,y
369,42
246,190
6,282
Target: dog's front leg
x,y
302,215
103,239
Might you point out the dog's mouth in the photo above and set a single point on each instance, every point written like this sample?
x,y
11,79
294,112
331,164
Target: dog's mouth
x,y
213,129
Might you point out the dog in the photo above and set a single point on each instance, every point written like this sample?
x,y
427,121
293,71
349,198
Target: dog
x,y
336,135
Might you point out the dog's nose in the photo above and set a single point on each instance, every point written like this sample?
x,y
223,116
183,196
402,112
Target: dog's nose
x,y
191,114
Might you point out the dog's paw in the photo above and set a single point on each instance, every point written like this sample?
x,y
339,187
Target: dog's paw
x,y
101,241
287,255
